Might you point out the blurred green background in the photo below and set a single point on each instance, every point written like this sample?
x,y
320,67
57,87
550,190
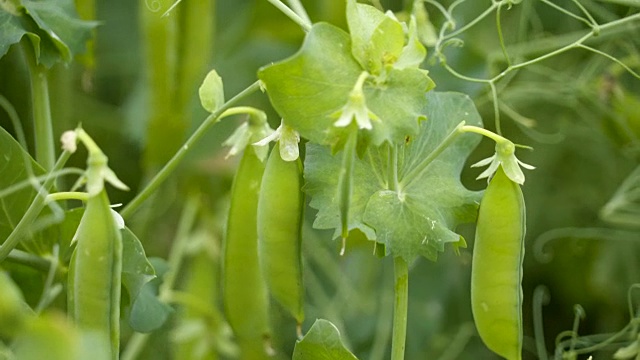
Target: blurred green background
x,y
136,94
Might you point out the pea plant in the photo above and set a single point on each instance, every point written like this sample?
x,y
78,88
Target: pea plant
x,y
350,153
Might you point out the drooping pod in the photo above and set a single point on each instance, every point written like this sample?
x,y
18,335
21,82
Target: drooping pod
x,y
496,273
245,295
280,210
95,273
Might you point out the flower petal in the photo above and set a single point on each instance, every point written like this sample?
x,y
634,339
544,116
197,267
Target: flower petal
x,y
489,171
345,117
484,162
512,170
526,166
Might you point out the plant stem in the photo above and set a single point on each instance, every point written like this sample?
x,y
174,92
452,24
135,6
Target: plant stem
x,y
68,195
170,166
306,26
400,307
421,166
33,261
32,212
44,144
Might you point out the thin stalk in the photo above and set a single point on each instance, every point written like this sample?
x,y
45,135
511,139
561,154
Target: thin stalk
x,y
68,195
345,185
170,166
501,37
134,346
49,292
471,23
496,108
306,26
33,261
29,182
299,9
33,211
422,165
540,297
44,143
400,308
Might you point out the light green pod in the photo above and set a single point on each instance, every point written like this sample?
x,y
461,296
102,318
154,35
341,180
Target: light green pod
x,y
95,274
244,291
279,231
496,273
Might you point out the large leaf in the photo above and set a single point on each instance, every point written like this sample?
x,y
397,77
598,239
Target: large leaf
x,y
136,268
377,39
310,89
55,31
322,342
13,170
11,29
420,217
148,312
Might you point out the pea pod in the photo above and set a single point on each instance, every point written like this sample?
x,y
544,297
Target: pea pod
x,y
244,292
279,231
496,274
95,273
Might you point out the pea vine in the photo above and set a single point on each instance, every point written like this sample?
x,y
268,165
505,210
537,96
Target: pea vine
x,y
382,153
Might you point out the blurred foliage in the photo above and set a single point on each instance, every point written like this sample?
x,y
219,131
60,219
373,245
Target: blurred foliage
x,y
579,111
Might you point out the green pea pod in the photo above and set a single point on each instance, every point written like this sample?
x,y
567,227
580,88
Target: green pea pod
x,y
244,291
496,273
279,231
95,273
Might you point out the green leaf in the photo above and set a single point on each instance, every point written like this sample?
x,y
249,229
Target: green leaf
x,y
310,89
420,217
53,27
148,313
211,92
377,38
322,342
12,167
136,268
58,19
11,30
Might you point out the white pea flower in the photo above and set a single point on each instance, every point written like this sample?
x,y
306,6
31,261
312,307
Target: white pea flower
x,y
69,140
505,156
356,108
289,139
247,133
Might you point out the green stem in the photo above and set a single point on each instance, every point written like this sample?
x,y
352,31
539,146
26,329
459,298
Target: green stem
x,y
33,261
299,9
306,26
170,166
248,110
400,308
345,185
68,195
500,37
472,23
135,345
422,165
44,143
37,179
32,212
484,132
